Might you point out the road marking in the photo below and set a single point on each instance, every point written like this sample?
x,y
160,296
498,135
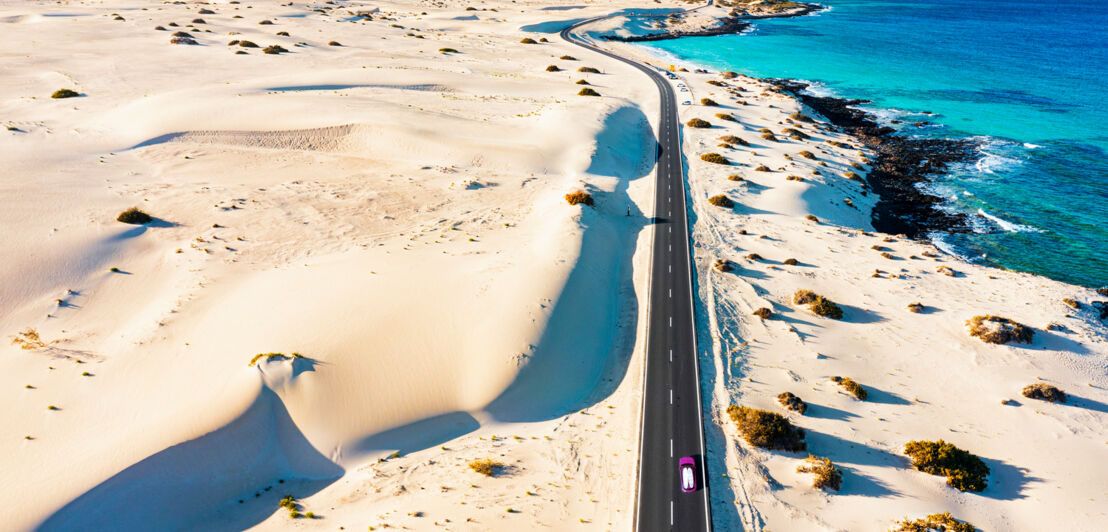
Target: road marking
x,y
671,355
670,268
671,439
671,512
671,400
670,292
671,321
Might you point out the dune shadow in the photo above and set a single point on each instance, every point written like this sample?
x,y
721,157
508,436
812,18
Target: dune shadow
x,y
879,396
1054,342
848,452
1006,481
564,371
827,412
743,208
862,485
180,486
852,314
422,434
1086,403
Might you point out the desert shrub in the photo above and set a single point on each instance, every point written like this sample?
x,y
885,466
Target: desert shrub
x,y
242,52
709,102
182,34
543,39
589,70
283,33
266,22
206,12
528,40
731,139
812,218
807,154
579,197
827,476
795,133
765,314
233,43
915,307
1044,392
723,265
947,271
943,522
568,58
963,470
887,255
698,123
720,200
334,43
716,83
553,68
804,297
248,44
28,339
791,402
65,93
582,82
839,144
761,168
198,21
791,262
768,135
734,177
852,387
851,176
794,178
726,116
273,356
998,330
447,51
767,430
487,467
274,49
182,40
1071,302
714,158
289,503
800,117
133,216
729,75
855,165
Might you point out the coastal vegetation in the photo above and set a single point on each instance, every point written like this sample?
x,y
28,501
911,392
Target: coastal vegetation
x,y
763,313
588,70
943,522
790,401
997,330
721,200
708,102
761,168
1044,392
734,177
28,339
963,470
133,216
587,92
487,467
714,158
579,197
851,387
553,68
274,49
528,40
807,154
724,265
827,476
698,123
273,356
65,93
767,430
727,116
818,304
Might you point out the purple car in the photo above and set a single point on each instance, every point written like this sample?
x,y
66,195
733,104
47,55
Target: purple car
x,y
687,470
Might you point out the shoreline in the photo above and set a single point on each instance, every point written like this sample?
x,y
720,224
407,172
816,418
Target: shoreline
x,y
734,23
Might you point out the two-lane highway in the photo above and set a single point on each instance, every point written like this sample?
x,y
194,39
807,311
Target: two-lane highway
x,y
672,424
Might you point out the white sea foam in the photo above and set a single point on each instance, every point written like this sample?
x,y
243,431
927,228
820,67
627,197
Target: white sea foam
x,y
1006,225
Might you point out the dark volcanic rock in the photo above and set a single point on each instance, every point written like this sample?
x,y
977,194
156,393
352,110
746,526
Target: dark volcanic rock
x,y
902,163
729,26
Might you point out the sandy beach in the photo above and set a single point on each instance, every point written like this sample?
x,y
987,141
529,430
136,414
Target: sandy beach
x,y
379,211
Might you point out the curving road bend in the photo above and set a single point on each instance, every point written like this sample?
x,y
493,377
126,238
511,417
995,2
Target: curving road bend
x,y
672,424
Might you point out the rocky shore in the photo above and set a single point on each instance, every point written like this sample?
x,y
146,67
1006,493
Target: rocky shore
x,y
734,22
901,165
728,26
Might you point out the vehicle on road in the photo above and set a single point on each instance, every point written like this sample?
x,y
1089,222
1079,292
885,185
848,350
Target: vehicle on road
x,y
686,102
687,469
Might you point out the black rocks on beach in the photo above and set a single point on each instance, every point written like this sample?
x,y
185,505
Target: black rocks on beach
x,y
901,164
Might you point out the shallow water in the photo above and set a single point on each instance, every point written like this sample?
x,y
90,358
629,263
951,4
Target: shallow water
x,y
1027,77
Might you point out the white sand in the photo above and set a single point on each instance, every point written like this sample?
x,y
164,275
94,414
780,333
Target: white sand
x,y
396,215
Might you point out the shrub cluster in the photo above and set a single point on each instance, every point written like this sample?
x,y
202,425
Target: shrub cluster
x,y
721,200
579,197
714,158
274,49
761,168
827,475
133,216
818,304
528,40
589,70
915,307
709,102
791,262
998,330
723,265
768,135
795,133
807,154
553,68
767,430
487,467
963,470
587,92
800,117
852,387
1044,392
943,522
790,401
726,116
698,123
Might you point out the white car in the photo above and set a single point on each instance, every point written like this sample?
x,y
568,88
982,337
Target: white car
x,y
686,102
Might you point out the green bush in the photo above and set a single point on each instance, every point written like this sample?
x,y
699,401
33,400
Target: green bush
x,y
65,93
715,158
852,387
998,330
133,216
963,470
579,197
487,467
721,201
767,430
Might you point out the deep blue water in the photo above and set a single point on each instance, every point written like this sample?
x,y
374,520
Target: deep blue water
x,y
1027,77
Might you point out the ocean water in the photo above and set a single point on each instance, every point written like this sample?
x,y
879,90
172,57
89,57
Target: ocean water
x,y
1028,78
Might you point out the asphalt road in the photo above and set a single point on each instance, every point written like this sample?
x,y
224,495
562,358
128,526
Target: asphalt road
x,y
672,424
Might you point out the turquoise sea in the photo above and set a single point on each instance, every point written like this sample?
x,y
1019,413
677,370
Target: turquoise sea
x,y
1028,78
